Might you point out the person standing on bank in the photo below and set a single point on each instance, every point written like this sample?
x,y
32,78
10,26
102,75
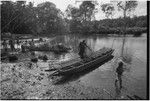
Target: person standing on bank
x,y
4,45
32,43
119,72
18,43
11,43
23,48
82,48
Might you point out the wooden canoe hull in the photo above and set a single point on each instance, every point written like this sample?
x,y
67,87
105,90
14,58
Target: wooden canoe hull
x,y
84,66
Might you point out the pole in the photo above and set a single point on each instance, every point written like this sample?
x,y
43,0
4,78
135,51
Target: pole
x,y
112,43
124,32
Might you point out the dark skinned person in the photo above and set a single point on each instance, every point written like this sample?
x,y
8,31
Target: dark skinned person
x,y
119,71
82,48
4,45
11,43
18,42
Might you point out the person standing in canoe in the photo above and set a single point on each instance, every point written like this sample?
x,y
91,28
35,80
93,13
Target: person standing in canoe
x,y
82,48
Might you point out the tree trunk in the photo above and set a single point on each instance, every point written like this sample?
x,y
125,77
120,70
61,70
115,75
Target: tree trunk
x,y
124,33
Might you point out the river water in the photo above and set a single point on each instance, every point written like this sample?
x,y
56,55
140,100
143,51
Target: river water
x,y
134,79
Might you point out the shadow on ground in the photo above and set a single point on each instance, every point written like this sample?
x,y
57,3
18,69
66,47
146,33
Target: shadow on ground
x,y
68,78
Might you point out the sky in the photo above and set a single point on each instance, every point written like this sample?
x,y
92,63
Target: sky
x,y
140,10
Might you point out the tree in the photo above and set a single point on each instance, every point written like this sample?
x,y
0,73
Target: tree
x,y
80,18
126,7
7,11
15,16
108,9
19,17
87,9
26,22
50,18
73,14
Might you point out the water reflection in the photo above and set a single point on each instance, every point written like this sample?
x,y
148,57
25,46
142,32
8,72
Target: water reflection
x,y
118,90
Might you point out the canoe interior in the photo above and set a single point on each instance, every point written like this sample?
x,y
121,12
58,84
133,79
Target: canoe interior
x,y
71,66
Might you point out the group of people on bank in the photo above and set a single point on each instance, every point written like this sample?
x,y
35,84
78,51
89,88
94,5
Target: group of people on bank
x,y
11,44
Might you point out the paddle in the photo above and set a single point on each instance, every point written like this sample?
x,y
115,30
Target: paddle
x,y
90,50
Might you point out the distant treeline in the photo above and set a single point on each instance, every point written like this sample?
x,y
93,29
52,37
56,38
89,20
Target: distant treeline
x,y
24,18
136,25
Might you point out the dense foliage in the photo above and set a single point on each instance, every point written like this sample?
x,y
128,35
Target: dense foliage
x,y
24,18
20,17
112,26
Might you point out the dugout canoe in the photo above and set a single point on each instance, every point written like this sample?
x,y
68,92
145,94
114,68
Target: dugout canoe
x,y
94,59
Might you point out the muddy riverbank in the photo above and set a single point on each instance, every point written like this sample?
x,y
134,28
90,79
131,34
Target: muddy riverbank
x,y
21,81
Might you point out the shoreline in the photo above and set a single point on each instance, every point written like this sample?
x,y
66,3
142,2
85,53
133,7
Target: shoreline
x,y
29,36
